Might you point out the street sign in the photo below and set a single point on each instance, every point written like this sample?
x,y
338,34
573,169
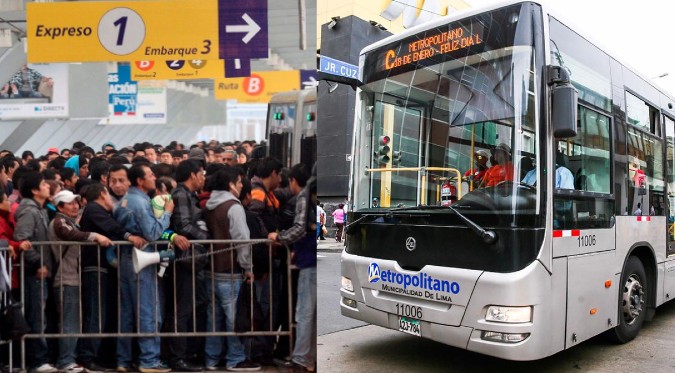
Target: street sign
x,y
243,29
257,88
332,66
177,69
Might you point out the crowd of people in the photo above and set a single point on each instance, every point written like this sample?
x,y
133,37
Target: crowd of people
x,y
166,195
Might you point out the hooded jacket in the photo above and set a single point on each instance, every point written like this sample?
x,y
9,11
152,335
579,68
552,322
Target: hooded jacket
x,y
226,220
32,224
74,163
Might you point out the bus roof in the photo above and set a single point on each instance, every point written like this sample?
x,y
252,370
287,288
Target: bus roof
x,y
289,97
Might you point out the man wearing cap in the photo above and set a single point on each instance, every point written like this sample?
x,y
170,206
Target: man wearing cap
x,y
67,277
503,170
107,146
199,155
52,153
480,166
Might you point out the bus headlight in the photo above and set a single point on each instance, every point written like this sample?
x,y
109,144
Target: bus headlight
x,y
509,314
347,284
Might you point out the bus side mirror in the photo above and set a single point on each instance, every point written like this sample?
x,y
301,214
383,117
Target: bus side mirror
x,y
564,99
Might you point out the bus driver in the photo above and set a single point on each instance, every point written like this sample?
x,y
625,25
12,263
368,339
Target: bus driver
x,y
502,170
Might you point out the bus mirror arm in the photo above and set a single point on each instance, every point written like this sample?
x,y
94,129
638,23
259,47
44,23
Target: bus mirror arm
x,y
488,236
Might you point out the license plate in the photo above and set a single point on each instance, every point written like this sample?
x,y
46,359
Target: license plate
x,y
410,326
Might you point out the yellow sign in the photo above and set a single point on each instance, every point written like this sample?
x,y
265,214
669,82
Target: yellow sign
x,y
257,88
177,69
122,31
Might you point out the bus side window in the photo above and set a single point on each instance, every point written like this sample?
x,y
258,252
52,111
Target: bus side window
x,y
588,157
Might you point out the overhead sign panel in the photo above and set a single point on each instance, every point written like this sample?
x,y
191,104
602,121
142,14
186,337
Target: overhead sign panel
x,y
141,30
257,88
177,69
243,29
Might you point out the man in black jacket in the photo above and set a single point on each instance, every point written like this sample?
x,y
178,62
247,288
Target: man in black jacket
x,y
97,217
186,220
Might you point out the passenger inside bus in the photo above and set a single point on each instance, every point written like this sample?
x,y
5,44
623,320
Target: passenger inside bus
x,y
564,179
502,170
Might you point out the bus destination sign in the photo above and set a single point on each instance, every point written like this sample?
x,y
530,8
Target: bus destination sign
x,y
427,47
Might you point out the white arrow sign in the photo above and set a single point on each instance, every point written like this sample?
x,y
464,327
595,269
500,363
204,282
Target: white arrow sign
x,y
310,83
250,28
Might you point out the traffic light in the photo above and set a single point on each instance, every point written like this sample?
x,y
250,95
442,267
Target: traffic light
x,y
383,150
311,117
396,160
279,116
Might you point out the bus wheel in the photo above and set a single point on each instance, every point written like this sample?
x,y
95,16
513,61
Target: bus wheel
x,y
632,301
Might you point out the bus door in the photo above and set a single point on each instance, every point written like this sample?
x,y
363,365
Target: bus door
x,y
584,225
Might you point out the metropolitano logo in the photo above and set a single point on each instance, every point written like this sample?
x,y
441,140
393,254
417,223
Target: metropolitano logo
x,y
373,273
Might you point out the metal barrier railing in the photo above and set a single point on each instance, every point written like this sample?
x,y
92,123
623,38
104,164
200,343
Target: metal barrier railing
x,y
5,295
125,259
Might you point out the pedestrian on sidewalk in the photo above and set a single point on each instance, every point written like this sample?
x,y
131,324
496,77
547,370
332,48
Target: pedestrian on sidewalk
x,y
339,218
320,221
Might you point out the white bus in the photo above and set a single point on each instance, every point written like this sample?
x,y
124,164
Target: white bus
x,y
568,234
291,127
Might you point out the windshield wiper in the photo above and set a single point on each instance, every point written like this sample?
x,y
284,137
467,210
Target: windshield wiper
x,y
488,236
350,227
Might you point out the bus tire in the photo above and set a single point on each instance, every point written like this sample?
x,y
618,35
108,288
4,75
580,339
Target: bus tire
x,y
632,301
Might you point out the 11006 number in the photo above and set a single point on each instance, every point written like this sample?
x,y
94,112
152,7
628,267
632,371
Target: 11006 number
x,y
587,240
409,311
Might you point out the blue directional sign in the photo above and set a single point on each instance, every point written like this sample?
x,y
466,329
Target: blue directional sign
x,y
332,66
237,68
308,79
242,29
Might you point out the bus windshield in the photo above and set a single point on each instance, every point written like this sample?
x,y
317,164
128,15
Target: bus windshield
x,y
451,115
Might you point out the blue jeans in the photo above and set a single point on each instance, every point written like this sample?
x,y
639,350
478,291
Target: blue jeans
x,y
90,313
68,304
304,352
144,289
225,297
35,297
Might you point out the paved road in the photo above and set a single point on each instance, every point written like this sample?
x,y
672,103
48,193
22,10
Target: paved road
x,y
346,345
